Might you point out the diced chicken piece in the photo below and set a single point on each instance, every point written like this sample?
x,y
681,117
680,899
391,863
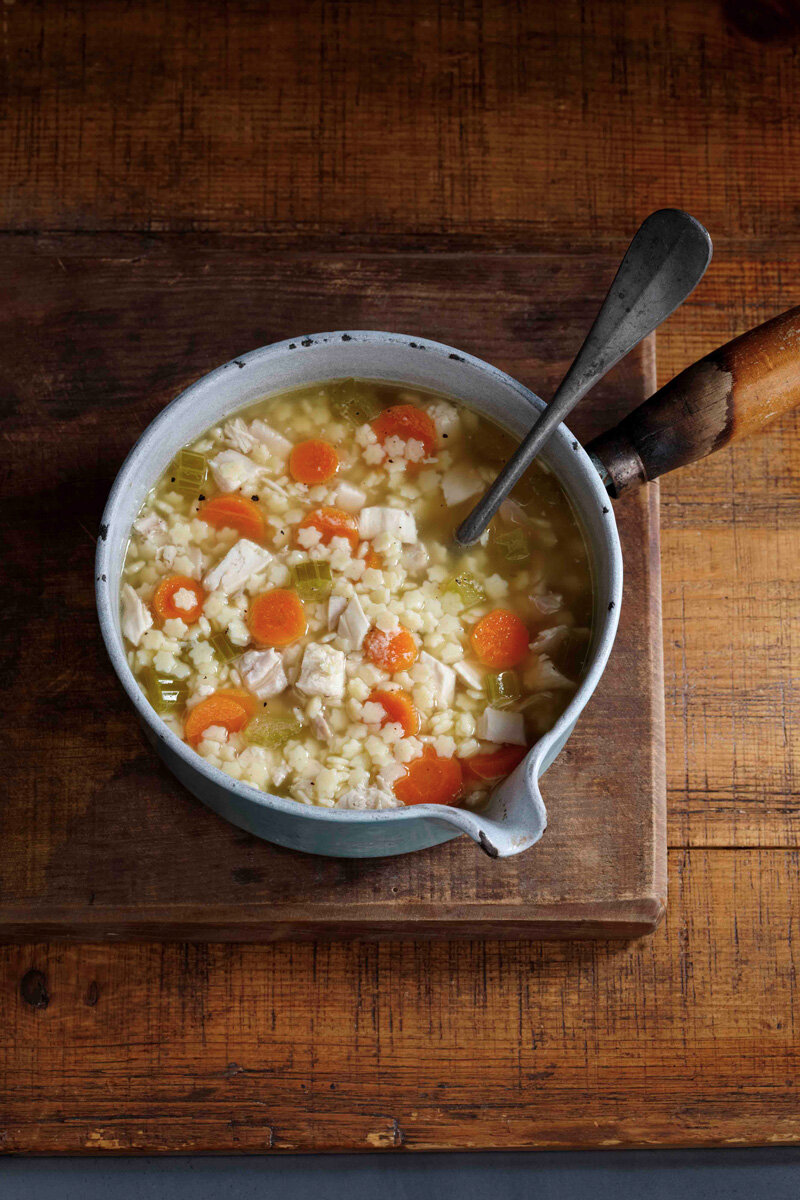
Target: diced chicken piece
x,y
550,639
547,603
263,674
459,483
243,561
353,625
321,728
336,606
397,521
544,676
322,672
136,616
442,680
349,497
367,797
469,674
270,485
275,442
279,773
513,512
166,555
238,436
232,470
446,419
503,728
151,528
415,558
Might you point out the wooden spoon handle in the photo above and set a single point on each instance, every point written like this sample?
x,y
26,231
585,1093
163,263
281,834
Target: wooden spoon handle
x,y
727,395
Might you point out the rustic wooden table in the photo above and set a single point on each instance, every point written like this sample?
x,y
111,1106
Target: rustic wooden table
x,y
444,128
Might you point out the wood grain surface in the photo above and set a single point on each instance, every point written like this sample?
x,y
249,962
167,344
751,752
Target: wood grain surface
x,y
416,128
125,850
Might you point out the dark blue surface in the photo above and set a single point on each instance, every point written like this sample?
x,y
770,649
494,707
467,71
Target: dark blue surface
x,y
654,1174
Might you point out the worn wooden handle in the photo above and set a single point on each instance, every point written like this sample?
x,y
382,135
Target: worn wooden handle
x,y
728,394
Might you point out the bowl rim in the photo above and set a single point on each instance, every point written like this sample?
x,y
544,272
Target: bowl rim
x,y
107,588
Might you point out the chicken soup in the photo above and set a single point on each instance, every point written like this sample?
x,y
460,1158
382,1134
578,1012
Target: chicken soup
x,y
293,609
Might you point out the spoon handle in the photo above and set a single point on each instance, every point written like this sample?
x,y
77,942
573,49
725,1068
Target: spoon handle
x,y
663,264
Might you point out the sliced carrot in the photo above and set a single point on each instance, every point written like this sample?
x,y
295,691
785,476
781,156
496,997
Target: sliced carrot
x,y
495,765
313,461
406,422
164,605
373,559
331,523
500,639
235,512
277,618
430,780
399,708
393,651
232,710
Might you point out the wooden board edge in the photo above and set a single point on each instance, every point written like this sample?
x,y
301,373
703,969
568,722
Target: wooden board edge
x,y
622,919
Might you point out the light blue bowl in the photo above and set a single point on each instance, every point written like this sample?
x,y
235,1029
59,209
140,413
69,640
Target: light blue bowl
x,y
515,817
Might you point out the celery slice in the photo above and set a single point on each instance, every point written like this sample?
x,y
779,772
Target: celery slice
x,y
468,588
514,545
188,472
312,579
164,692
272,732
502,689
224,648
354,400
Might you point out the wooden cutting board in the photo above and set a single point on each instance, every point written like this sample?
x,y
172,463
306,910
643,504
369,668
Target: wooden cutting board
x,y
99,841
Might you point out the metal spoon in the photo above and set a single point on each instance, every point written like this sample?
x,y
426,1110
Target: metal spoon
x,y
664,263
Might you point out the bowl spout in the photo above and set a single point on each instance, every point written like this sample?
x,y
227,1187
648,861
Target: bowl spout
x,y
514,819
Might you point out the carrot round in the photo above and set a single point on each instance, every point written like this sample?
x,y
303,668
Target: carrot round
x,y
496,765
430,780
232,710
331,523
399,709
500,639
277,618
394,651
314,461
406,422
164,605
234,512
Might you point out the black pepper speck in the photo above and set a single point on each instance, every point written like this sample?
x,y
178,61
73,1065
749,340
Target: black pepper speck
x,y
346,337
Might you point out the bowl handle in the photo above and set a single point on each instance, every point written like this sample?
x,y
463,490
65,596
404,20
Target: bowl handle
x,y
515,817
729,394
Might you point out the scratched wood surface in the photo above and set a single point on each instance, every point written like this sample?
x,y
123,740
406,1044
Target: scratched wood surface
x,y
551,127
119,852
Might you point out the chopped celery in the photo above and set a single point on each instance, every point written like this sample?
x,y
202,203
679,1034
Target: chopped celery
x,y
272,732
502,689
312,579
354,400
514,545
188,472
164,692
224,648
468,588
